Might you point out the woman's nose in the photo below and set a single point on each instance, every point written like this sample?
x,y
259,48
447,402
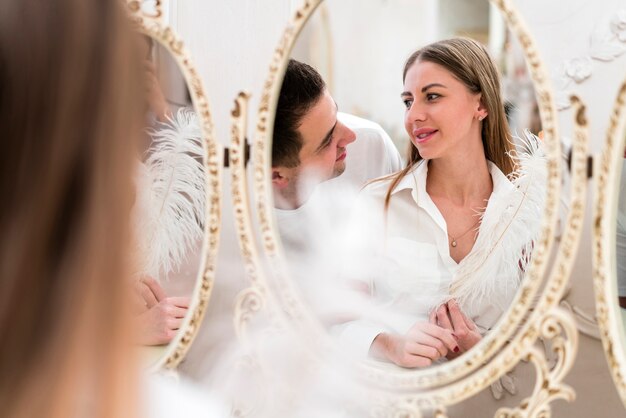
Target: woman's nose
x,y
416,113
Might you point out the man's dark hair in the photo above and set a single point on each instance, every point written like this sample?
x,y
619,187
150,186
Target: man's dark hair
x,y
301,89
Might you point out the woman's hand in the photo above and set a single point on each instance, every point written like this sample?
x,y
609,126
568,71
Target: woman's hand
x,y
423,344
150,292
158,325
160,316
450,317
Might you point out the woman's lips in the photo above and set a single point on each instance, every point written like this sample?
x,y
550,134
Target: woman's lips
x,y
423,135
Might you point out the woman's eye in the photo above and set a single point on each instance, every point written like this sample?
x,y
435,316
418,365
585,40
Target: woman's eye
x,y
432,96
407,103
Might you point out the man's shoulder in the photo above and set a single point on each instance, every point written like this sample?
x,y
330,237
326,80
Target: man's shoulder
x,y
378,187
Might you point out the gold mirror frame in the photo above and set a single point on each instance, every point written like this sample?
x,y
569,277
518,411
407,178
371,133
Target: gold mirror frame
x,y
149,23
608,315
450,383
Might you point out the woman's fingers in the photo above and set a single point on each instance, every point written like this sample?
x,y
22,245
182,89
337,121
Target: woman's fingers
x,y
428,346
457,317
174,323
177,312
441,334
432,317
147,295
180,301
413,362
470,324
154,287
170,309
443,319
464,329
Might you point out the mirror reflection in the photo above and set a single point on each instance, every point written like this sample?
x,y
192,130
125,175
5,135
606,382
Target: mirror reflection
x,y
620,239
408,193
168,213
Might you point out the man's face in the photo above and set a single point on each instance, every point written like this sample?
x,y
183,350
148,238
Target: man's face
x,y
322,156
324,141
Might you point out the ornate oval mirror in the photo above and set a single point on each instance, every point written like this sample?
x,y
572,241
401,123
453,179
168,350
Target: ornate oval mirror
x,y
610,244
360,243
176,215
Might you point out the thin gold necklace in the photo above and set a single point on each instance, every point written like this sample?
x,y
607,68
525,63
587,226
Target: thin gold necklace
x,y
453,240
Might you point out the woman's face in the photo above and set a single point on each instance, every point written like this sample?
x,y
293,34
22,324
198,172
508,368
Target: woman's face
x,y
441,113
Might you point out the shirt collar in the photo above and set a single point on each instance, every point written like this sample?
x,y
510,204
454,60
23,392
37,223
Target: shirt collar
x,y
415,181
501,183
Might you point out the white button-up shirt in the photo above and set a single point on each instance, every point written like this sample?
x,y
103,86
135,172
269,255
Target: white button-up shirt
x,y
408,268
311,234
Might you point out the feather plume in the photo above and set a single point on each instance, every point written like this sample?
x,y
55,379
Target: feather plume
x,y
169,210
509,226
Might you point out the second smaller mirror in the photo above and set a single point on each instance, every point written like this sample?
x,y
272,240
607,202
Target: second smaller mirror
x,y
169,210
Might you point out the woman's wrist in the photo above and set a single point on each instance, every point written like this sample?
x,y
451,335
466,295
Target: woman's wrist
x,y
380,347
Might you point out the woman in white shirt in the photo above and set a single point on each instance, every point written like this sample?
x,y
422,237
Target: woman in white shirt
x,y
435,212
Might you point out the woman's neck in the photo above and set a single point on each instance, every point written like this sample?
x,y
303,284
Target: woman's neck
x,y
462,179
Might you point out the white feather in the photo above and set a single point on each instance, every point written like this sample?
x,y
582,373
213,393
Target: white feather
x,y
169,210
491,273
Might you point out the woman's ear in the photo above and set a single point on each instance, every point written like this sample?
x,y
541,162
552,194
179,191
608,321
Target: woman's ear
x,y
481,109
279,180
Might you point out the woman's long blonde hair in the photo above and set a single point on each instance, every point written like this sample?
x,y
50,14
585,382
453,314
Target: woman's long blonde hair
x,y
471,64
70,112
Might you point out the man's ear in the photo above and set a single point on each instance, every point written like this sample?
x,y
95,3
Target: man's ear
x,y
279,180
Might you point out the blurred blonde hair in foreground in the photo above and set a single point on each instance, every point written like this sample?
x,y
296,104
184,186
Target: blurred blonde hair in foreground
x,y
70,112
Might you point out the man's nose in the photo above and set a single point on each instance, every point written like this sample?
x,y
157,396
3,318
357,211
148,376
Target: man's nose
x,y
348,136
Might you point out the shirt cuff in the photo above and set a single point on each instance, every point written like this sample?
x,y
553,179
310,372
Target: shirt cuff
x,y
356,337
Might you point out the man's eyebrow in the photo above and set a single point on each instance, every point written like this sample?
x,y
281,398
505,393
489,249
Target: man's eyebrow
x,y
408,93
327,138
329,135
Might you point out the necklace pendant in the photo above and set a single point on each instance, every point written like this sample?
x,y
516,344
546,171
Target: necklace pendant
x,y
453,243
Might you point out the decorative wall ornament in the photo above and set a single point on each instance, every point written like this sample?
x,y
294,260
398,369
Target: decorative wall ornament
x,y
618,25
176,350
579,69
607,42
533,315
608,167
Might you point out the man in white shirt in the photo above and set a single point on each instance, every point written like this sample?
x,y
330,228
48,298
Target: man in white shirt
x,y
311,138
320,160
